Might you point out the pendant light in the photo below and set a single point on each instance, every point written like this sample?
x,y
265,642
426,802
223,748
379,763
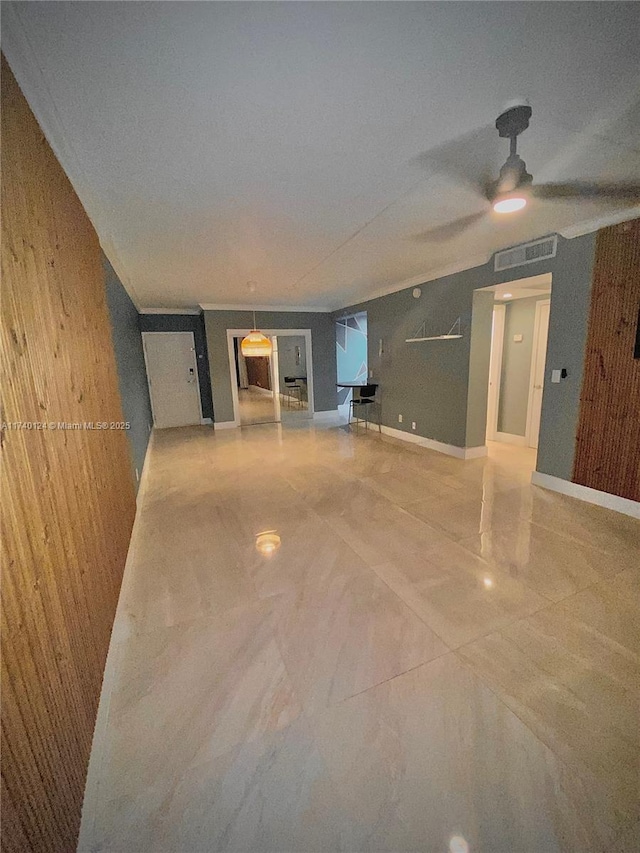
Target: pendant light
x,y
255,344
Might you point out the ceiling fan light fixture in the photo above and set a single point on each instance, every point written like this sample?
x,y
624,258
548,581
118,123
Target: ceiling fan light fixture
x,y
510,204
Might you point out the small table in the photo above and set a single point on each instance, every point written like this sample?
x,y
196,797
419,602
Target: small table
x,y
351,406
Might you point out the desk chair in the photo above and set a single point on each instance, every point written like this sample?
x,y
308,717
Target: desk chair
x,y
364,404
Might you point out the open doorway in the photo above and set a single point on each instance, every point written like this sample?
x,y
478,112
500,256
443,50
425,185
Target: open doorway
x,y
275,389
519,335
293,378
351,357
255,387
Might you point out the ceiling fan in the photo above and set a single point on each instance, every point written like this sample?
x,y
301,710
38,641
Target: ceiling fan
x,y
514,186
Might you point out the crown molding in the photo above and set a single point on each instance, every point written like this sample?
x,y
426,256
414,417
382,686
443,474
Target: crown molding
x,y
602,222
425,278
170,311
25,66
284,309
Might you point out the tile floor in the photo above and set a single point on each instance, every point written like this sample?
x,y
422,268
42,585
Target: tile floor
x,y
439,657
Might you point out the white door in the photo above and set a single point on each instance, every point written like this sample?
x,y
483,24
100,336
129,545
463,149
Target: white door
x,y
172,372
538,359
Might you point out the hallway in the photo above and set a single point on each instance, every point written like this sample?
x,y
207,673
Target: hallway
x,y
433,656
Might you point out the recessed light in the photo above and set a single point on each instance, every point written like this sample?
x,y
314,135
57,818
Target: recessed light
x,y
488,582
509,205
507,295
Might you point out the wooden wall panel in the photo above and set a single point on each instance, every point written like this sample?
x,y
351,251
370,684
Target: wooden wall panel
x,y
608,440
67,496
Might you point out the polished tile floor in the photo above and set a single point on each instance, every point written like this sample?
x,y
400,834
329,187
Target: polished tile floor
x,y
328,642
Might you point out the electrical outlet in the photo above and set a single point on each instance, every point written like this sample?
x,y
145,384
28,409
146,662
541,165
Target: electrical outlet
x,y
413,424
399,419
371,374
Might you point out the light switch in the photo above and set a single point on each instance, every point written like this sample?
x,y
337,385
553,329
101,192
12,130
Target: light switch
x,y
555,376
517,339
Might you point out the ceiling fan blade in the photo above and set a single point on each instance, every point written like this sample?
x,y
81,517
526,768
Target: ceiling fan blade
x,y
449,230
587,189
472,160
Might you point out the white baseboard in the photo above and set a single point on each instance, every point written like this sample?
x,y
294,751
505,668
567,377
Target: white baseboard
x,y
510,438
205,421
431,444
225,424
328,415
584,493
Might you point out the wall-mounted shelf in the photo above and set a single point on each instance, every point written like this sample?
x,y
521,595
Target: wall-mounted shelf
x,y
453,333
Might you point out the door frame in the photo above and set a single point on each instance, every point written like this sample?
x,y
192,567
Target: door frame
x,y
495,369
534,358
279,333
149,383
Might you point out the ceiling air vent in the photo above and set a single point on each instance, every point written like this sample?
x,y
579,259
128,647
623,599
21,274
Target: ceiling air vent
x,y
527,253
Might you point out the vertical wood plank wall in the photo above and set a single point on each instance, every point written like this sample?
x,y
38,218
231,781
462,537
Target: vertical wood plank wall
x,y
608,440
67,496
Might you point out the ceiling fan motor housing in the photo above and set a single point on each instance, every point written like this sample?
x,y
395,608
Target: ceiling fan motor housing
x,y
514,120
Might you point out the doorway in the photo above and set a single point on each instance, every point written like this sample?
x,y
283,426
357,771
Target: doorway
x,y
293,379
519,333
269,396
257,403
172,374
351,357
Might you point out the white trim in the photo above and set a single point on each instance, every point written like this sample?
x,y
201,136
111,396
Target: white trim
x,y
537,328
424,278
225,424
495,369
26,67
206,421
603,222
584,493
476,452
240,333
195,365
511,438
190,311
285,309
431,444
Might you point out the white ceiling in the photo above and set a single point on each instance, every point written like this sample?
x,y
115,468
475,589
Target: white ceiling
x,y
217,143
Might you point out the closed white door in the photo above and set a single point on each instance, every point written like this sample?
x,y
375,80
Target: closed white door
x,y
539,356
172,372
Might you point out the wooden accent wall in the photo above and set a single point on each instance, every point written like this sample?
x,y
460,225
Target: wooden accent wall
x,y
67,496
608,439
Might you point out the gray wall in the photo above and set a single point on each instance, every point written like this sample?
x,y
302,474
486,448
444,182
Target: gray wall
x,y
186,323
479,359
132,375
570,302
323,347
287,357
516,365
429,382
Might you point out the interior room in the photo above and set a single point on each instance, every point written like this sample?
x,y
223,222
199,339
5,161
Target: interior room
x,y
258,401
320,439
